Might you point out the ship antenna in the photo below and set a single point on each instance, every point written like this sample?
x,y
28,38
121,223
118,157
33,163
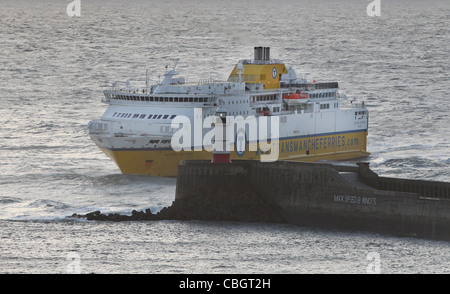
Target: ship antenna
x,y
176,62
147,82
163,86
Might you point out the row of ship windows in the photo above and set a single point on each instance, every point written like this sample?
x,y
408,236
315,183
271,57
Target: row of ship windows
x,y
263,98
324,106
322,95
237,102
327,105
232,113
274,97
263,109
237,113
142,116
159,99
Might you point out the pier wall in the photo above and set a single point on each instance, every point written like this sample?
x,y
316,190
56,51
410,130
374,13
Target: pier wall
x,y
429,189
323,195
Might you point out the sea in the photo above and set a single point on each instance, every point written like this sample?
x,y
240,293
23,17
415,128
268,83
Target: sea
x,y
56,55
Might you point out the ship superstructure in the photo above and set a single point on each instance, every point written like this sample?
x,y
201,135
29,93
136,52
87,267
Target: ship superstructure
x,y
136,129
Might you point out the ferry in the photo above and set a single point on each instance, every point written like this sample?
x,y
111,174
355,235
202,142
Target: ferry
x,y
314,123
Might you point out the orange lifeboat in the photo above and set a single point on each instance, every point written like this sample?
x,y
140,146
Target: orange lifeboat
x,y
295,96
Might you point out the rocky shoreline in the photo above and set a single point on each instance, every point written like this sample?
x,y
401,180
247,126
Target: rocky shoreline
x,y
220,207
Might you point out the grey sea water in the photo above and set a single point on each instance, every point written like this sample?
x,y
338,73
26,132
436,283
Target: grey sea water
x,y
50,69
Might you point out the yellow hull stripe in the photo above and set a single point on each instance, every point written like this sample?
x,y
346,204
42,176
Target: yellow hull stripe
x,y
165,162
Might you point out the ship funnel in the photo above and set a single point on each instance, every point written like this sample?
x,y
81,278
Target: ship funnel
x,y
262,53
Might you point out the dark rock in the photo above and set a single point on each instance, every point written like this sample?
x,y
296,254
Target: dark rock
x,y
93,214
217,206
115,217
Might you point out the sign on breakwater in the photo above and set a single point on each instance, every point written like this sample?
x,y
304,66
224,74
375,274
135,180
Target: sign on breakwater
x,y
361,200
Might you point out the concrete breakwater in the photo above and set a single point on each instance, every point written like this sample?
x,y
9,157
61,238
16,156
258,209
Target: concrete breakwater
x,y
329,196
311,194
